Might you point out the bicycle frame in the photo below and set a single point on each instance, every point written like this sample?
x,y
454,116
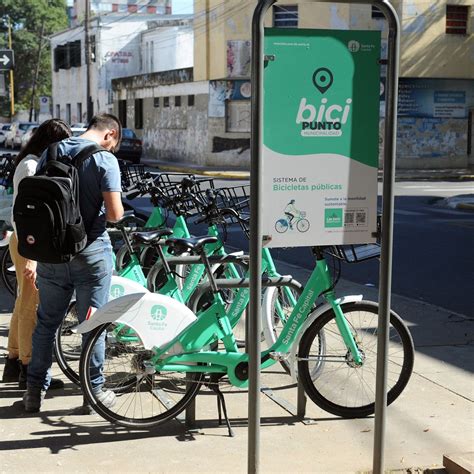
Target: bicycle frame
x,y
214,323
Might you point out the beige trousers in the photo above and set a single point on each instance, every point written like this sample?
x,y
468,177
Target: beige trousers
x,y
23,320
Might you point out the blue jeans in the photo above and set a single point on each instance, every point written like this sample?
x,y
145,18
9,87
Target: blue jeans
x,y
89,274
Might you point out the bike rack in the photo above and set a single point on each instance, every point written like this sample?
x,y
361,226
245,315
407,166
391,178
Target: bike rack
x,y
253,460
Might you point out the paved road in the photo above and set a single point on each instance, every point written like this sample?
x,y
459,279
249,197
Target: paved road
x,y
433,253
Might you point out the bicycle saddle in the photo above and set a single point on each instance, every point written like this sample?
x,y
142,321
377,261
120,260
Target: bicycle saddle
x,y
128,216
194,244
152,236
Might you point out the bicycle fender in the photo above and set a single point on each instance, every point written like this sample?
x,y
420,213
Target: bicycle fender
x,y
121,286
157,319
315,314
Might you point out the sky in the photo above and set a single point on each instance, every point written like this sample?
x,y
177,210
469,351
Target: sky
x,y
181,7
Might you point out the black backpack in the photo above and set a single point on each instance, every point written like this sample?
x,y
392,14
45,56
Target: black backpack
x,y
46,212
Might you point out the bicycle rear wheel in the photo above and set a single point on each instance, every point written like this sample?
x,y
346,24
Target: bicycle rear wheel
x,y
333,381
67,345
8,272
142,399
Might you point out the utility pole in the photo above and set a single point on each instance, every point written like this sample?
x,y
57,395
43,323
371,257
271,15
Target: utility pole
x,y
35,78
88,61
12,84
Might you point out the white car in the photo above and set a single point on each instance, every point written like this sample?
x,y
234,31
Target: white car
x,y
25,138
13,136
76,131
4,128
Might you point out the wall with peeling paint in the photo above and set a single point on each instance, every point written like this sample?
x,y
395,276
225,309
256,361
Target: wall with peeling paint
x,y
180,133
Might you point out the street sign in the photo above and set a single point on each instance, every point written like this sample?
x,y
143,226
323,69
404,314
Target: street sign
x,y
6,59
320,141
45,104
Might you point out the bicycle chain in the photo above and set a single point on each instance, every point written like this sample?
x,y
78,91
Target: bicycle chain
x,y
222,382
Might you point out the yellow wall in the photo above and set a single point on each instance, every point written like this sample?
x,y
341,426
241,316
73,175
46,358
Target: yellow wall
x,y
225,20
426,51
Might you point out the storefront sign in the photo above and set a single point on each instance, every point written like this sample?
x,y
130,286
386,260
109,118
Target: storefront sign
x,y
434,98
321,132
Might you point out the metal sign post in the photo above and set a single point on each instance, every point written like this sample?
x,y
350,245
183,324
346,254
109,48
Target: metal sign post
x,y
322,80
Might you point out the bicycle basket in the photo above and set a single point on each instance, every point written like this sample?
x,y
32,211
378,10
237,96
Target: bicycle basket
x,y
171,184
354,253
179,193
131,173
238,198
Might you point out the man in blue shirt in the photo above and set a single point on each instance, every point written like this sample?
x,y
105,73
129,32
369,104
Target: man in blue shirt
x,y
89,272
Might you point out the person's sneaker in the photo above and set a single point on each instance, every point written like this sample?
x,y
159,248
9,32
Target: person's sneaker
x,y
33,398
11,370
106,397
56,384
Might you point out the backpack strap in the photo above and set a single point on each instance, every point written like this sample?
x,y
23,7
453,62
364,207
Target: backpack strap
x,y
85,153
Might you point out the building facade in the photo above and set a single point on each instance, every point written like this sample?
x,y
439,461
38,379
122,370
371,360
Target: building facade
x,y
76,8
213,103
117,50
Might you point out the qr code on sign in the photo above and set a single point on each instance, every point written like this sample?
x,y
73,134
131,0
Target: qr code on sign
x,y
349,218
361,218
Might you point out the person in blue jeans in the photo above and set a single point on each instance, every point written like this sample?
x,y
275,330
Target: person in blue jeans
x,y
89,272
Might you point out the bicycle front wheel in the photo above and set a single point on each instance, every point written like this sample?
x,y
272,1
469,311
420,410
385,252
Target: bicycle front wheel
x,y
142,399
303,225
333,380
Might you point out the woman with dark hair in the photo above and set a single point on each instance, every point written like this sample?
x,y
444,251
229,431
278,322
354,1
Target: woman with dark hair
x,y
23,319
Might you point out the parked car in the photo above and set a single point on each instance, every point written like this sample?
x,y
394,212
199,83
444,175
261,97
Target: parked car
x,y
79,125
76,131
4,128
131,147
25,138
17,129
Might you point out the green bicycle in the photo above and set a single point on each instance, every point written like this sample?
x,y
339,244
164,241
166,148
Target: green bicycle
x,y
175,352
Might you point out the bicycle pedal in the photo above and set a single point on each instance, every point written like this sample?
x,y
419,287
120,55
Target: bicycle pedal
x,y
279,356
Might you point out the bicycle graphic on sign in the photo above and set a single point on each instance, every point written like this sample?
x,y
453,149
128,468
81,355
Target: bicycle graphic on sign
x,y
294,218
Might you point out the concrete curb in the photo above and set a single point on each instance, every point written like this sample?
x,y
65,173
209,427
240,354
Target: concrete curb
x,y
465,206
401,175
235,174
464,177
229,174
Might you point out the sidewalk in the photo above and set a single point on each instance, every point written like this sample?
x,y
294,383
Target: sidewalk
x,y
432,417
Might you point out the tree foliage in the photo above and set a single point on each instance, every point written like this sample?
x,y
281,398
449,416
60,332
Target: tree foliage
x,y
27,18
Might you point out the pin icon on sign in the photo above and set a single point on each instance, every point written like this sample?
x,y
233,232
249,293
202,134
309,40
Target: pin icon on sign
x,y
322,79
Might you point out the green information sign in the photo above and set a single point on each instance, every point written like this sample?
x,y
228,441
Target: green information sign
x,y
320,141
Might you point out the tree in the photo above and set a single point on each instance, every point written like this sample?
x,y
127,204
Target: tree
x,y
28,18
